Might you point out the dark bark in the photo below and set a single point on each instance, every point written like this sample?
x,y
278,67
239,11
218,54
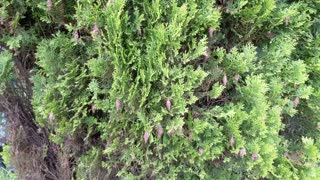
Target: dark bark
x,y
15,103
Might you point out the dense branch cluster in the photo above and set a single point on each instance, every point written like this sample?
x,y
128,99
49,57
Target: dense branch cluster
x,y
184,89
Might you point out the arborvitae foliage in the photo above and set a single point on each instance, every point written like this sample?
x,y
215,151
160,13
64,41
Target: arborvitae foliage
x,y
175,89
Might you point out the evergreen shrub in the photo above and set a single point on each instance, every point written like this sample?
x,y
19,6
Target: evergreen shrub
x,y
180,89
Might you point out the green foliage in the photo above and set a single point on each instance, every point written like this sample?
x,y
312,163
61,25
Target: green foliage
x,y
6,156
216,91
6,67
181,90
4,174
